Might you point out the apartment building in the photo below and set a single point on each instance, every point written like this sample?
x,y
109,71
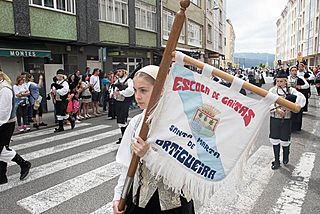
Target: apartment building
x,y
298,32
203,33
41,36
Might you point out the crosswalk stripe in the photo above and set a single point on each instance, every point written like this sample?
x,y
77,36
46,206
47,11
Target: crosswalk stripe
x,y
257,169
53,196
46,131
72,144
293,194
106,209
58,165
60,136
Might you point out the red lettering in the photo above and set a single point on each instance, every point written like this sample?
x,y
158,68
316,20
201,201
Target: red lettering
x,y
247,118
237,106
191,85
186,84
177,85
215,95
224,100
230,102
243,110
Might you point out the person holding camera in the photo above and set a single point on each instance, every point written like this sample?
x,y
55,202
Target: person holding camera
x,y
35,100
280,119
22,93
122,93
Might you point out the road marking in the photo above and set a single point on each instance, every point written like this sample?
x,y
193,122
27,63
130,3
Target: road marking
x,y
256,175
55,166
294,192
53,196
72,144
32,134
106,209
60,136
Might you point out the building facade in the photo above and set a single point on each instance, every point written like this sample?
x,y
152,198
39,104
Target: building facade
x,y
39,37
298,32
230,45
203,33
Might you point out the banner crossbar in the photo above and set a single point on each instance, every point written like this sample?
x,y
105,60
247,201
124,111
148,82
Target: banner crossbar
x,y
246,85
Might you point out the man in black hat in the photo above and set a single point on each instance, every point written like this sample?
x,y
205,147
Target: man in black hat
x,y
60,91
122,93
280,119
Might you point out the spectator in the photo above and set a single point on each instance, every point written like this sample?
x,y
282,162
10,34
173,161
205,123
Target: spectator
x,y
22,101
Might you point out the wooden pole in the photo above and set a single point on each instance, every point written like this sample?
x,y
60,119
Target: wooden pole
x,y
255,89
159,83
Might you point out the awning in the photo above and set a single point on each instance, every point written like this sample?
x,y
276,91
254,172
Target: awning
x,y
24,53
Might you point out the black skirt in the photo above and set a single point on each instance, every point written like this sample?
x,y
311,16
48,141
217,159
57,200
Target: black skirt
x,y
280,129
153,207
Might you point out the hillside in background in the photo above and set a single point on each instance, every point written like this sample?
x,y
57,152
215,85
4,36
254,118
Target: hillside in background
x,y
248,60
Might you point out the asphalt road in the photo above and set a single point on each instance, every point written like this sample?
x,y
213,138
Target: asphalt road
x,y
75,172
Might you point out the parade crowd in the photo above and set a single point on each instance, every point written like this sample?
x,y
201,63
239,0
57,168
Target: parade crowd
x,y
73,95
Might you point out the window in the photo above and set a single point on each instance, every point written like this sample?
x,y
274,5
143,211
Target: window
x,y
209,35
194,34
115,11
145,16
209,5
68,6
168,18
196,2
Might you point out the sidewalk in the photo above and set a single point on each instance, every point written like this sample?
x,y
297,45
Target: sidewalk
x,y
48,118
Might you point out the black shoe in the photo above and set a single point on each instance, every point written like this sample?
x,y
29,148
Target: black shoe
x,y
286,152
36,126
275,165
58,130
119,141
3,171
24,165
73,122
3,181
43,124
25,170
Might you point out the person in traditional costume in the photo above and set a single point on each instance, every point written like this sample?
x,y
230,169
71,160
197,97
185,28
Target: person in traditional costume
x,y
299,83
122,92
148,195
60,90
7,125
280,119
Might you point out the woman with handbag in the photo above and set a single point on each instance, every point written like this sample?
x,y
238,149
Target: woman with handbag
x,y
22,93
35,100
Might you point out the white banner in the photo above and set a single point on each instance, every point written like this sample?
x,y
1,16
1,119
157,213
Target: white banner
x,y
202,130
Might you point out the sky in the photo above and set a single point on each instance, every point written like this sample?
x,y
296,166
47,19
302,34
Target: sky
x,y
254,23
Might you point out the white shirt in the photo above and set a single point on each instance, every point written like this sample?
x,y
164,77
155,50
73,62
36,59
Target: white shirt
x,y
20,89
124,153
129,91
95,82
63,91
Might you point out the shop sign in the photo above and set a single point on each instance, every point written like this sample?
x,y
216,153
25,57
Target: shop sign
x,y
24,53
213,55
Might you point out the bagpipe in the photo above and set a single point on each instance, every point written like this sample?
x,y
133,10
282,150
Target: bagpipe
x,y
122,86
